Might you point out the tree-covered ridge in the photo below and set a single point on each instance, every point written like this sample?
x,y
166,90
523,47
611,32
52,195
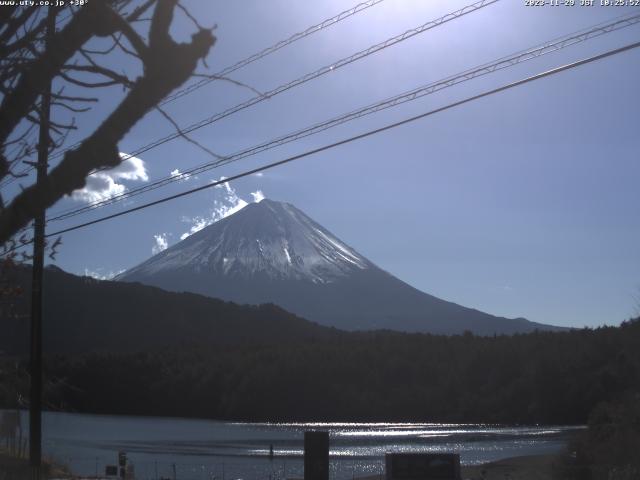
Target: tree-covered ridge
x,y
129,348
546,378
83,314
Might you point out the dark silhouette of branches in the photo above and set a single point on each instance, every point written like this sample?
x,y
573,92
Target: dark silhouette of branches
x,y
26,67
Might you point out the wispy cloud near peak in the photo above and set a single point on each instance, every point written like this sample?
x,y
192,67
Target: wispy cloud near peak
x,y
227,202
160,244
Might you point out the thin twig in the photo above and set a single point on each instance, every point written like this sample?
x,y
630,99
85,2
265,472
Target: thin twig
x,y
237,83
186,137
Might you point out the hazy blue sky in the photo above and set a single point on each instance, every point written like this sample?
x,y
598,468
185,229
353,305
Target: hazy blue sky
x,y
522,204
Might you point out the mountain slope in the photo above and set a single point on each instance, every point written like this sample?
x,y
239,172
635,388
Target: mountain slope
x,y
83,314
273,252
267,239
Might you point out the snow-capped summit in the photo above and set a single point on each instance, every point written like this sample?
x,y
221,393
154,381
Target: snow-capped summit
x,y
271,252
268,238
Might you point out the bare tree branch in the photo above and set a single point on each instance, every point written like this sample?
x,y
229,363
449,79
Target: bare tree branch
x,y
138,12
89,21
81,83
59,96
186,137
70,108
100,149
237,83
115,77
14,24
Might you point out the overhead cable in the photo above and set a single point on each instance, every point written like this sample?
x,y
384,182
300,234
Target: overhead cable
x,y
502,63
329,22
354,138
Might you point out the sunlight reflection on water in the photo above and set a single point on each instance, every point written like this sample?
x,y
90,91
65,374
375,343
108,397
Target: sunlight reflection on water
x,y
204,449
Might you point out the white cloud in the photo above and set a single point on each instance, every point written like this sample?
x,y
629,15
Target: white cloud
x,y
160,243
106,184
182,177
101,276
258,196
259,174
198,224
227,202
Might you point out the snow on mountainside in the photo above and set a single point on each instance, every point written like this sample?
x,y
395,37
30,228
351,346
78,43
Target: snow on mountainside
x,y
271,238
271,252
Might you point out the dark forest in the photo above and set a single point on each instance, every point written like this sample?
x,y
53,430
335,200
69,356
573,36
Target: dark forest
x,y
546,378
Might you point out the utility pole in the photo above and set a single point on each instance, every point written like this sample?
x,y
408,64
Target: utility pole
x,y
35,403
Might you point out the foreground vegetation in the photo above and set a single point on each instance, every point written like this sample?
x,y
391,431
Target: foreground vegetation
x,y
608,449
542,378
17,468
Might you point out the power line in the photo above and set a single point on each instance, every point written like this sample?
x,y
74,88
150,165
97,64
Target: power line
x,y
369,133
329,22
504,62
345,141
317,73
273,48
313,75
340,63
306,78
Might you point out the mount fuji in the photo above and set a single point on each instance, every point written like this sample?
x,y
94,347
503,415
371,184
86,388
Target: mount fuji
x,y
271,252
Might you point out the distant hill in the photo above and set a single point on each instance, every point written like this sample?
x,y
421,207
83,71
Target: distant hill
x,y
272,252
123,348
82,314
536,378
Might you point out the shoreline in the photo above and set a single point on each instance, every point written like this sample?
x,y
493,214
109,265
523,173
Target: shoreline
x,y
303,423
529,467
526,467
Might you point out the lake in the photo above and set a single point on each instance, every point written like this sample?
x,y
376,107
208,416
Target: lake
x,y
206,449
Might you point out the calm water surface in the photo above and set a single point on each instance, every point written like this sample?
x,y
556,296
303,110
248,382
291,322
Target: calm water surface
x,y
204,449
